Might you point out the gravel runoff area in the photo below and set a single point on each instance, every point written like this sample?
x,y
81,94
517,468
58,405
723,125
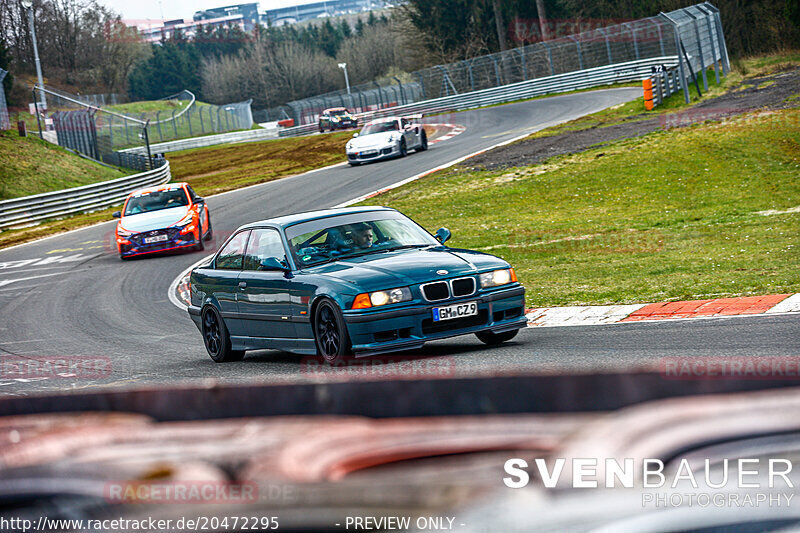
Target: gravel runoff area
x,y
766,93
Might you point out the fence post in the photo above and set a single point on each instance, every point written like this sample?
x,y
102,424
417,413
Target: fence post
x,y
660,39
580,55
608,45
189,121
402,92
219,121
498,81
635,42
714,56
200,114
524,63
726,64
158,125
676,31
549,58
699,49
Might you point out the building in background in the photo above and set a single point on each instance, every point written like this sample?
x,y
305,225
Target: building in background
x,y
248,12
314,9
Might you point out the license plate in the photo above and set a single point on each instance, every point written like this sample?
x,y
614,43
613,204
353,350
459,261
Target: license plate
x,y
157,238
368,152
455,311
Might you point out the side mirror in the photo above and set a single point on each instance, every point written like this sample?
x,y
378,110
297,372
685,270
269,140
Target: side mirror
x,y
355,134
272,263
116,214
199,200
442,235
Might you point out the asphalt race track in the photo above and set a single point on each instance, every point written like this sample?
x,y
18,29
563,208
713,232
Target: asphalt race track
x,y
72,296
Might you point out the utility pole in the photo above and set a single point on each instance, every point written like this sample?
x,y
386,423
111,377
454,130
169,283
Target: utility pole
x,y
343,66
28,4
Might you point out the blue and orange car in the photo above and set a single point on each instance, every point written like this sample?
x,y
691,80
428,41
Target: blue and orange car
x,y
162,218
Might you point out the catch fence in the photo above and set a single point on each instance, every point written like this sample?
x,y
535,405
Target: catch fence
x,y
693,34
104,133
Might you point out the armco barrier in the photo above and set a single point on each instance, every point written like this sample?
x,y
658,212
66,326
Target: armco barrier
x,y
571,81
660,85
209,140
21,211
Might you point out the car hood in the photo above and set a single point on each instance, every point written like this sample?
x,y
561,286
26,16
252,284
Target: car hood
x,y
372,140
408,267
154,220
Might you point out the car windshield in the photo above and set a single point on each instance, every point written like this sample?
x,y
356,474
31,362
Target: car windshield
x,y
335,238
155,201
338,112
379,127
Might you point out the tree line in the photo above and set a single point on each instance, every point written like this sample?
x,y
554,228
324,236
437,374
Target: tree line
x,y
85,47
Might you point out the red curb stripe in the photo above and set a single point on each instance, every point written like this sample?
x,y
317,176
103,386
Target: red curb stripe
x,y
748,305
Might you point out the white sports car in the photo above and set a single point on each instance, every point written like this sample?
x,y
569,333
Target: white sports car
x,y
386,137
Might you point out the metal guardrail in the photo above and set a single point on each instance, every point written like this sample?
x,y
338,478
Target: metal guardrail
x,y
663,83
570,81
208,140
29,209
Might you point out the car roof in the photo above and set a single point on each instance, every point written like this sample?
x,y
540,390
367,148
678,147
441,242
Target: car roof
x,y
289,220
334,109
164,187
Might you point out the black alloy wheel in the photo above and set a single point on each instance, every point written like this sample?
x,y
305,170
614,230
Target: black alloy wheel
x,y
330,332
216,338
403,148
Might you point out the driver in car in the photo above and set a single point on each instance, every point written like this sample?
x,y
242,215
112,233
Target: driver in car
x,y
363,236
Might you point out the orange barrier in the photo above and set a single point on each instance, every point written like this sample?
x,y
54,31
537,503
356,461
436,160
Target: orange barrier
x,y
648,94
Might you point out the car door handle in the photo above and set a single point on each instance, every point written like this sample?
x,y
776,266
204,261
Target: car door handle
x,y
242,284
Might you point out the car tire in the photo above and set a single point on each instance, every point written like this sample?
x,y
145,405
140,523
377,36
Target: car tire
x,y
321,129
403,148
491,338
216,338
200,246
330,332
423,142
210,233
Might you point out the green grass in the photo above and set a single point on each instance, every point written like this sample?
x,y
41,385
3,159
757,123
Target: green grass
x,y
672,215
223,168
29,165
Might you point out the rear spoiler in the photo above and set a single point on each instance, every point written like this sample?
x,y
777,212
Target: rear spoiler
x,y
417,116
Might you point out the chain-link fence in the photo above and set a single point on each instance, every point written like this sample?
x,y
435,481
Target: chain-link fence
x,y
4,122
102,132
697,30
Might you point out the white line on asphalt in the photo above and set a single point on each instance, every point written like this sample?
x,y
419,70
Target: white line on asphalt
x,y
5,282
171,292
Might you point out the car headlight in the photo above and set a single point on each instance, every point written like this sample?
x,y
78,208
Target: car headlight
x,y
348,146
498,277
185,224
378,298
123,232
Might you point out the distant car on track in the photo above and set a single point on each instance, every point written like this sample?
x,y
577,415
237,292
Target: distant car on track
x,y
157,219
337,118
365,280
385,138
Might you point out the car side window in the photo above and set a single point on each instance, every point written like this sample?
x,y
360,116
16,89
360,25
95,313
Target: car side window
x,y
231,255
264,243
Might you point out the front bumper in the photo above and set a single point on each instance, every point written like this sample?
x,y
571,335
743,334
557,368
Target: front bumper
x,y
373,332
175,241
373,154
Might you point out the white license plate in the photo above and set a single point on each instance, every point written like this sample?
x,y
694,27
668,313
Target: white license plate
x,y
368,152
455,311
157,238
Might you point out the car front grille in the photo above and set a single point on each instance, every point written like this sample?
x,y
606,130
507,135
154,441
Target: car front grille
x,y
438,290
463,286
138,239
